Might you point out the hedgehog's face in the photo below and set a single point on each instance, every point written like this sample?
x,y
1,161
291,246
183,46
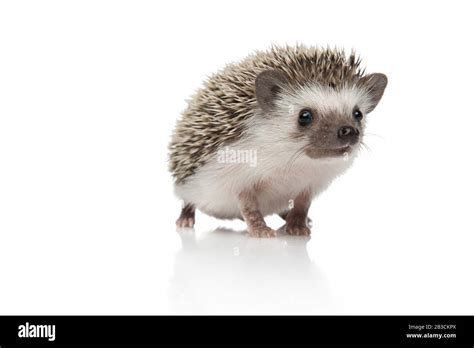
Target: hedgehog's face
x,y
324,121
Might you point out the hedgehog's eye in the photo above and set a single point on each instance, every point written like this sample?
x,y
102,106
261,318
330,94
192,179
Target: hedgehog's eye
x,y
305,118
357,114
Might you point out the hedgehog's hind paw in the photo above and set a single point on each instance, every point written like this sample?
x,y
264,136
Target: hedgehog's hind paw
x,y
185,222
186,219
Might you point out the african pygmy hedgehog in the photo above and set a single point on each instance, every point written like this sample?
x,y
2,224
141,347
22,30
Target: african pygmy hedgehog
x,y
268,134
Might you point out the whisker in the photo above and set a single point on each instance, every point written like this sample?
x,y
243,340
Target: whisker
x,y
366,147
295,156
374,135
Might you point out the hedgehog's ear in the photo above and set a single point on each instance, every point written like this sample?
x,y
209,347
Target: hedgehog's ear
x,y
267,86
375,83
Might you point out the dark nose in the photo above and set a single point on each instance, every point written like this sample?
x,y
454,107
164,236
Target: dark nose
x,y
347,132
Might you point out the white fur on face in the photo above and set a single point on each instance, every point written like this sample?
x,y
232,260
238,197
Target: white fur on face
x,y
282,171
325,100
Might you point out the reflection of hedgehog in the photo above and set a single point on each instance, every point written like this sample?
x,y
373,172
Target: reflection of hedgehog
x,y
298,111
223,271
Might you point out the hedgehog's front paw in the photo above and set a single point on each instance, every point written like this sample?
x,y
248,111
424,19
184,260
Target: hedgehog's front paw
x,y
185,222
297,229
262,232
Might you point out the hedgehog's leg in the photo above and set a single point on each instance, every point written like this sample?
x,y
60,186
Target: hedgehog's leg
x,y
186,219
297,218
286,212
253,217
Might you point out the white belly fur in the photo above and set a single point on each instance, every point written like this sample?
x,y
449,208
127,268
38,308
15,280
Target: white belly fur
x,y
214,188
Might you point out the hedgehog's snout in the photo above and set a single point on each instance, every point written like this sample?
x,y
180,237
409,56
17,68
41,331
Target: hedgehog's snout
x,y
348,134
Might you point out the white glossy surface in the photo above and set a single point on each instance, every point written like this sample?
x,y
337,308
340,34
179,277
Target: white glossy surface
x,y
227,272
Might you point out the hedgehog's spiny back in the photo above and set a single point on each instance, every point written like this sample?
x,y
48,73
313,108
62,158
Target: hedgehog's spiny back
x,y
216,114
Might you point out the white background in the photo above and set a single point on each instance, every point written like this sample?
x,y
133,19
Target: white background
x,y
89,94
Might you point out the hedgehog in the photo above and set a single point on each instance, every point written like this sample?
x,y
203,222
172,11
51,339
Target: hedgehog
x,y
268,134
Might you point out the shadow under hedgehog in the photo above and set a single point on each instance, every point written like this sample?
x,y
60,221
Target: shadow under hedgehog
x,y
301,112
